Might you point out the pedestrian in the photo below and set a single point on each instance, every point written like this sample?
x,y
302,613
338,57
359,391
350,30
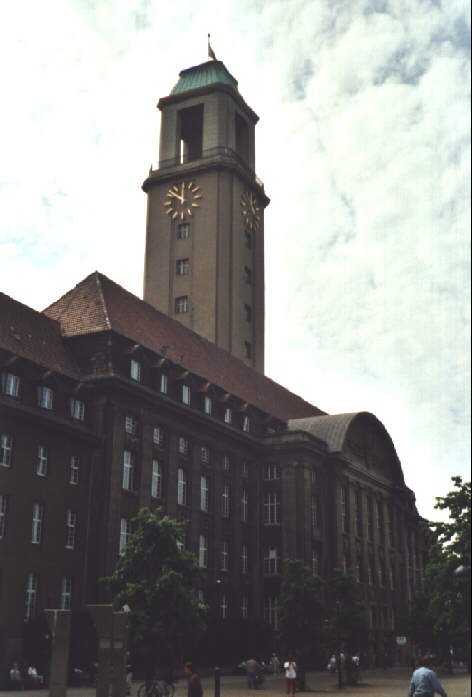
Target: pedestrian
x,y
16,679
290,676
252,667
275,664
424,681
194,683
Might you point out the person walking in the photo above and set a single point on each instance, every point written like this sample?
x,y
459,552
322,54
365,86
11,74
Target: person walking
x,y
252,668
195,688
424,681
290,676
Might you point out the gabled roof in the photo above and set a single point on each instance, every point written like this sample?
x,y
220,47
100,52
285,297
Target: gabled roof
x,y
203,75
98,304
33,336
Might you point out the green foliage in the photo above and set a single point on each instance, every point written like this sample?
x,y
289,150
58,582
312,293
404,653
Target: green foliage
x,y
439,614
300,605
349,624
159,583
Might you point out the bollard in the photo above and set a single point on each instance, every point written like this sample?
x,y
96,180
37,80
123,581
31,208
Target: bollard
x,y
217,681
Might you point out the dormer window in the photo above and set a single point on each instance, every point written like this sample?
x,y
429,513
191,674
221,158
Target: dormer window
x,y
228,415
246,423
77,409
186,394
207,405
163,383
45,397
10,384
135,370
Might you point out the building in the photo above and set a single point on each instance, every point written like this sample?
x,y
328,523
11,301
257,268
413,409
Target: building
x,y
109,403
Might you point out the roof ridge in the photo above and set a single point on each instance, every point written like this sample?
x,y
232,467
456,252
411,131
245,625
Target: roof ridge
x,y
98,280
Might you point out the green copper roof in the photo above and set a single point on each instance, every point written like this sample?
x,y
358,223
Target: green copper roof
x,y
203,75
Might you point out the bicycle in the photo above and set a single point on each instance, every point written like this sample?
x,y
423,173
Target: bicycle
x,y
158,688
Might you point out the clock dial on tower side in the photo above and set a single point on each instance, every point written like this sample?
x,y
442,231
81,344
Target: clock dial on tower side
x,y
182,199
250,210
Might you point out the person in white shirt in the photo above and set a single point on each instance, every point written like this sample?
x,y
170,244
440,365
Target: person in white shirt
x,y
290,676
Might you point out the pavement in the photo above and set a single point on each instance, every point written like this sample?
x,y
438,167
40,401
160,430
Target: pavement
x,y
393,682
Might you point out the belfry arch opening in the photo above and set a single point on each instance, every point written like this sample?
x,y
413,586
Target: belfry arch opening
x,y
190,133
241,137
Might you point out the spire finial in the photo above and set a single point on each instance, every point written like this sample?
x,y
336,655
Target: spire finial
x,y
211,53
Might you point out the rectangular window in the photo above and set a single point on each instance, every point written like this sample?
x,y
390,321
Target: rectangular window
x,y
380,521
344,520
203,552
370,520
37,523
271,508
247,313
131,425
181,487
77,409
225,556
6,448
156,482
207,405
204,494
3,515
66,592
370,572
224,608
204,455
244,506
183,232
226,463
181,305
244,606
246,424
128,470
42,461
182,267
135,370
226,500
185,394
244,469
271,611
315,512
315,563
271,472
358,512
158,436
271,561
358,569
182,445
314,476
244,559
10,384
228,415
31,598
163,383
71,528
247,275
74,469
45,397
125,532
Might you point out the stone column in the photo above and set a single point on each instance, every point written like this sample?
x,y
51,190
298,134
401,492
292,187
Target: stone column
x,y
59,622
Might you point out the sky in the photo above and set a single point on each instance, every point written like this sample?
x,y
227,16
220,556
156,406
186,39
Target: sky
x,y
364,148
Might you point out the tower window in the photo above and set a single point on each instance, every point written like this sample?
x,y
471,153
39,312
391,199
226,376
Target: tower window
x,y
247,275
248,239
242,137
247,349
182,267
191,133
183,232
181,304
248,313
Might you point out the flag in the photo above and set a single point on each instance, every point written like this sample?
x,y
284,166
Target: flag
x,y
211,53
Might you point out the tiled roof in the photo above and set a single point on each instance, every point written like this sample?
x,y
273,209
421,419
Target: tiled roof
x,y
332,428
209,73
98,304
33,336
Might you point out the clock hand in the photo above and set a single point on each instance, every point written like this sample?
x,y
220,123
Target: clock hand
x,y
172,193
182,199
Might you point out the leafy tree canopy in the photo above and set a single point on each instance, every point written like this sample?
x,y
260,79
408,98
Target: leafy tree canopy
x,y
349,625
160,584
456,532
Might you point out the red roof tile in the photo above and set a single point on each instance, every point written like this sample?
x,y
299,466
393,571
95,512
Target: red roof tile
x,y
98,304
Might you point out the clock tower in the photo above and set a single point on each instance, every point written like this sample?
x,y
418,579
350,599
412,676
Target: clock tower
x,y
204,262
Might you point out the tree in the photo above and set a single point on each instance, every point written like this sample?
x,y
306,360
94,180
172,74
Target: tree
x,y
300,612
440,614
349,624
160,584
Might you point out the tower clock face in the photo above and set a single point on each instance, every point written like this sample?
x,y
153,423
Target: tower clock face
x,y
250,210
182,199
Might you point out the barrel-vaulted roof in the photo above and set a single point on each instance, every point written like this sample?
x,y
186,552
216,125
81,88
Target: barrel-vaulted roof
x,y
204,75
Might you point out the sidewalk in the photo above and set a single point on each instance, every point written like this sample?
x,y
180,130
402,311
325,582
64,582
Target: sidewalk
x,y
375,683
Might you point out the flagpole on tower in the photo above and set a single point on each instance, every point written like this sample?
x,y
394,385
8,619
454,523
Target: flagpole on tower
x,y
211,53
